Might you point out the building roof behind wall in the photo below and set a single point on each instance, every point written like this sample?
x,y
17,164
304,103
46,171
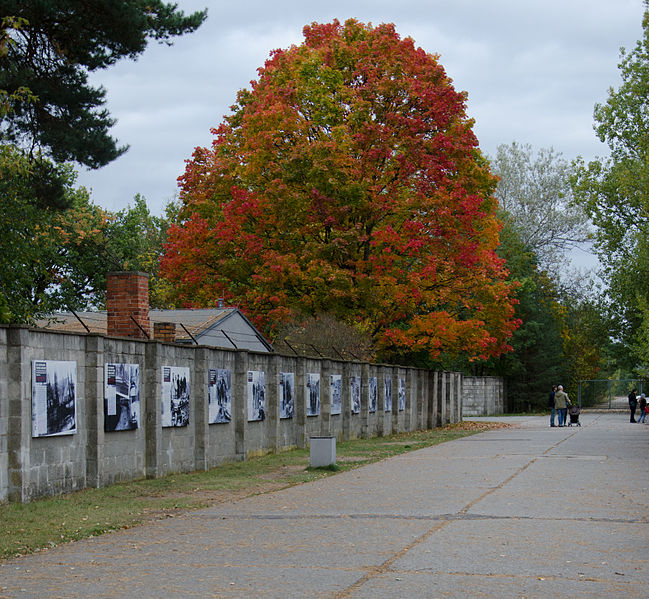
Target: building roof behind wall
x,y
189,323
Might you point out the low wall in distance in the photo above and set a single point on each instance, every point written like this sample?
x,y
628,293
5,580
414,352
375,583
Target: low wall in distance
x,y
87,451
482,395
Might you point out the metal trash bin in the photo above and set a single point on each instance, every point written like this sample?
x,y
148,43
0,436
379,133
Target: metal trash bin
x,y
323,451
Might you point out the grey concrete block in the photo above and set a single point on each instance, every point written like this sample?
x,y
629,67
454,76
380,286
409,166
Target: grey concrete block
x,y
322,451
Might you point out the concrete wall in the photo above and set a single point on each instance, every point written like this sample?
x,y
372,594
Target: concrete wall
x,y
4,416
482,395
31,467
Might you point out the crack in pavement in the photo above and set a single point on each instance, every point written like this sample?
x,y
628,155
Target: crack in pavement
x,y
433,517
463,513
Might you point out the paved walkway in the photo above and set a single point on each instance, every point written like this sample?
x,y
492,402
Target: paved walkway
x,y
523,512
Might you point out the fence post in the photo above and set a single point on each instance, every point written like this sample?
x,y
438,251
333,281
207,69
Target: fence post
x,y
365,403
443,399
325,398
432,409
94,393
272,403
240,403
395,400
199,390
346,402
151,408
19,413
300,403
609,394
410,384
380,401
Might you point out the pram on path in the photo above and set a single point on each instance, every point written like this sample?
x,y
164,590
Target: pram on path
x,y
573,411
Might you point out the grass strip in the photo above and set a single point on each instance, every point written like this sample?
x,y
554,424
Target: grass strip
x,y
44,523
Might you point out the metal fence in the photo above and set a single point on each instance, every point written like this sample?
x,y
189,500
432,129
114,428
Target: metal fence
x,y
608,394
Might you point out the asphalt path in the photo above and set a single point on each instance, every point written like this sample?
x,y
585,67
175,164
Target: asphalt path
x,y
527,511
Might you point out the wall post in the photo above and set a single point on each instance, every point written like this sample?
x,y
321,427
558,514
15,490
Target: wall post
x,y
19,412
365,403
272,404
325,398
151,399
240,403
300,404
346,402
199,390
395,399
94,394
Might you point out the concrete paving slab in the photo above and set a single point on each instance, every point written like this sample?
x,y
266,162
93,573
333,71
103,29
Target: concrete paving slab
x,y
563,549
527,511
446,586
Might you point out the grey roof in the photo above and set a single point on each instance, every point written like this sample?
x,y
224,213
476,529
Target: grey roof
x,y
197,322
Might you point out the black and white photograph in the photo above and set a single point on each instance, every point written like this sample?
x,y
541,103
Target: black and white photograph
x,y
312,394
387,402
256,395
121,397
355,393
402,395
219,394
54,398
373,392
286,394
175,396
336,385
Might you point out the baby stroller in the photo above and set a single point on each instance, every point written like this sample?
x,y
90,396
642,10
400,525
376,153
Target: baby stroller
x,y
574,412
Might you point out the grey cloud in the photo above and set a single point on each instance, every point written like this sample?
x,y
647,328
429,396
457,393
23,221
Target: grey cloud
x,y
533,71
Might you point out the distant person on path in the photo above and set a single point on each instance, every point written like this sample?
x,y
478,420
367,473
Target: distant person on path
x,y
642,404
561,402
633,402
551,405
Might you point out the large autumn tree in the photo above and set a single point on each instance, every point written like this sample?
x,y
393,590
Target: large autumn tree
x,y
348,181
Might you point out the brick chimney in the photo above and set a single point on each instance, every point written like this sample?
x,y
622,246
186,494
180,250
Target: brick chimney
x,y
128,296
164,331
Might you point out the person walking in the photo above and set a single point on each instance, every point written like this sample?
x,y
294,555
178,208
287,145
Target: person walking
x,y
642,404
553,410
633,402
561,402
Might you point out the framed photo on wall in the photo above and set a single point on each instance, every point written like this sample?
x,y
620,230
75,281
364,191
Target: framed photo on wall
x,y
256,395
336,384
175,396
312,384
286,394
121,397
355,393
219,395
387,403
373,392
54,398
402,395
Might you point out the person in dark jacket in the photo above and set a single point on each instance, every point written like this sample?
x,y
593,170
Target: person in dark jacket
x,y
553,411
633,402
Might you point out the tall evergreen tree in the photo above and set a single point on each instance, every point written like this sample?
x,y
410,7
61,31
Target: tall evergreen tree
x,y
50,48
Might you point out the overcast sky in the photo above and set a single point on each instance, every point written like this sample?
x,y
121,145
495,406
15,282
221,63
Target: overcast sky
x,y
533,70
